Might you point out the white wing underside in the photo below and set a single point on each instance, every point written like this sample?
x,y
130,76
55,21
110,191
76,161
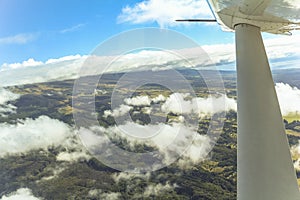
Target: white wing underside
x,y
273,16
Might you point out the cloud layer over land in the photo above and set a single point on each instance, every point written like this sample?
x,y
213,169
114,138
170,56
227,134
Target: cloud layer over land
x,y
283,53
32,134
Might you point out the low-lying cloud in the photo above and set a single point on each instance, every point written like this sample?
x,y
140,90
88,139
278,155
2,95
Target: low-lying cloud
x,y
173,137
32,71
73,157
99,194
32,134
22,193
117,112
138,101
158,189
5,97
222,55
128,176
170,140
179,104
289,98
295,150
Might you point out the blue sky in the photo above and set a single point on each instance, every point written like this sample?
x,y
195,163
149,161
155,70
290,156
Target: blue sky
x,y
48,40
52,29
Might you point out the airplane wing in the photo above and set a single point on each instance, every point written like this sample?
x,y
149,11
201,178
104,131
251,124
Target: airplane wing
x,y
273,16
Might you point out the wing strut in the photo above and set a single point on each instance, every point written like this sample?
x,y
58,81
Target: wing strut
x,y
265,169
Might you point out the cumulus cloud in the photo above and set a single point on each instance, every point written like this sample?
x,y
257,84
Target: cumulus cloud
x,y
27,63
179,104
170,140
164,12
144,101
72,156
289,98
22,193
5,97
176,137
197,151
31,134
297,164
117,112
138,101
32,71
159,98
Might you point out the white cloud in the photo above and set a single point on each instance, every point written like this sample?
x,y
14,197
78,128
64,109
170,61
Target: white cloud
x,y
27,63
297,164
72,29
159,98
63,59
294,4
147,110
283,46
220,53
198,150
128,176
117,112
164,12
18,39
138,101
154,190
55,171
99,194
72,156
32,71
32,63
7,109
283,52
289,98
30,134
5,97
170,140
295,150
134,101
22,193
179,104
176,137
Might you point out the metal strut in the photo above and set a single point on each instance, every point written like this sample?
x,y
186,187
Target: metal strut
x,y
264,164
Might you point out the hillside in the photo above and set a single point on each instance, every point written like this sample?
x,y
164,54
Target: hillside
x,y
42,154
